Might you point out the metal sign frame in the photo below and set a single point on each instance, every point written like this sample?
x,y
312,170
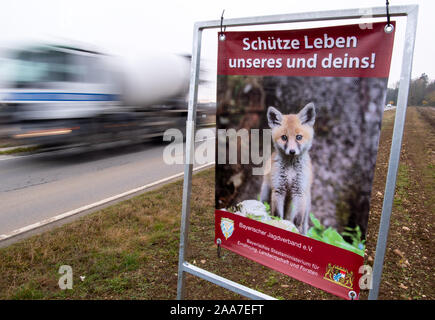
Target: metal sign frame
x,y
408,11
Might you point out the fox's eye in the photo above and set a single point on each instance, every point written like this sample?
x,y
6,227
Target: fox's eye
x,y
298,137
284,137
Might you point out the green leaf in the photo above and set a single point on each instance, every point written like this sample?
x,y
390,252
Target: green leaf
x,y
315,234
316,222
331,236
267,206
254,217
347,246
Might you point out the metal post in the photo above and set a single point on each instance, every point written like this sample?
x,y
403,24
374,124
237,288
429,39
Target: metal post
x,y
399,122
225,283
189,158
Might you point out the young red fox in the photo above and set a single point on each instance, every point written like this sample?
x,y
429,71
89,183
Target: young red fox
x,y
287,186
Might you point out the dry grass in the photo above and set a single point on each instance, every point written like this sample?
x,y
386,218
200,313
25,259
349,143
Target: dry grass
x,y
130,250
118,250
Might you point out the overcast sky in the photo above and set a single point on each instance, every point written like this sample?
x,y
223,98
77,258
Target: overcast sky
x,y
126,26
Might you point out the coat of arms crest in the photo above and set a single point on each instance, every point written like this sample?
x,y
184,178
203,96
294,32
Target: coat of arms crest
x,y
227,227
339,276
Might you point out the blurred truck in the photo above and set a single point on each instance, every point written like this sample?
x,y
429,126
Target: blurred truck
x,y
57,95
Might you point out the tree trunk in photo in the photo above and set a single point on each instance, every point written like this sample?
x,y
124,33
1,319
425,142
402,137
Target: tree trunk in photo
x,y
348,118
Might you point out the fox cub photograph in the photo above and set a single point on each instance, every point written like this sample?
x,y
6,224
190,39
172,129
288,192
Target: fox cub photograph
x,y
287,186
324,135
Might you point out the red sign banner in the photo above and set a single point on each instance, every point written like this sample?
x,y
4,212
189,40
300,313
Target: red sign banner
x,y
343,51
324,266
316,97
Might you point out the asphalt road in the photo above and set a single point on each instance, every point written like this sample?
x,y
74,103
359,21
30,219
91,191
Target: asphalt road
x,y
40,186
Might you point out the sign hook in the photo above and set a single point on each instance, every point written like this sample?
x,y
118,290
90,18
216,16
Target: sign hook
x,y
389,27
223,28
218,242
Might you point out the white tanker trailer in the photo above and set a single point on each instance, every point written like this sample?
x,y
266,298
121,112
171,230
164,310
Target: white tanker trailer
x,y
62,95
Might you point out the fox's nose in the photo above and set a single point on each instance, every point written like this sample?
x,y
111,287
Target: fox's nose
x,y
292,151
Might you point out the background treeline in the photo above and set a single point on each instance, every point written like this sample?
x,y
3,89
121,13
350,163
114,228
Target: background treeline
x,y
421,92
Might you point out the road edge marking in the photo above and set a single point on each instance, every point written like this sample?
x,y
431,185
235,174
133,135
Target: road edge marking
x,y
73,212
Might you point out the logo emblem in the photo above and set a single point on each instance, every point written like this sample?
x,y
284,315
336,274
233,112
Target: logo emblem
x,y
227,227
339,275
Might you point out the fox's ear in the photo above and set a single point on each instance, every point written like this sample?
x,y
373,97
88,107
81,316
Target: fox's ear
x,y
308,114
274,117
